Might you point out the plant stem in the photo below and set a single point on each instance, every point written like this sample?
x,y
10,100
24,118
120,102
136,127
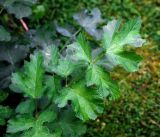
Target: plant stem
x,y
24,25
101,55
1,10
36,107
67,42
66,82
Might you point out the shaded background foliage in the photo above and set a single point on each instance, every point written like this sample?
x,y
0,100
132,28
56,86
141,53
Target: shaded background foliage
x,y
137,112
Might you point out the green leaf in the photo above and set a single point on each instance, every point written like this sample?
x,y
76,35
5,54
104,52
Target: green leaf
x,y
114,43
3,96
26,107
38,131
12,135
54,55
67,123
85,48
39,11
128,60
53,63
80,97
4,35
67,30
2,122
64,67
57,134
18,8
96,75
90,21
13,55
31,126
46,116
109,31
80,50
51,87
20,124
5,111
51,56
30,81
44,40
129,34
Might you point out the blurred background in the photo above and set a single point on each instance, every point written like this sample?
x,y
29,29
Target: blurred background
x,y
137,112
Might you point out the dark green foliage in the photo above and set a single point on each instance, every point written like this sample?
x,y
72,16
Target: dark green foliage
x,y
5,111
4,35
12,55
63,86
19,8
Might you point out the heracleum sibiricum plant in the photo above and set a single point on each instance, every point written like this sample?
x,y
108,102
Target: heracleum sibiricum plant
x,y
74,84
63,88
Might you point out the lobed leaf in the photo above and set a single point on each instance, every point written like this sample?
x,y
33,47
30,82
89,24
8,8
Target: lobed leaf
x,y
31,126
18,8
96,75
67,31
5,112
51,86
38,131
129,34
80,50
20,124
64,68
114,42
26,107
59,65
90,22
46,116
86,102
12,55
30,81
128,60
66,124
